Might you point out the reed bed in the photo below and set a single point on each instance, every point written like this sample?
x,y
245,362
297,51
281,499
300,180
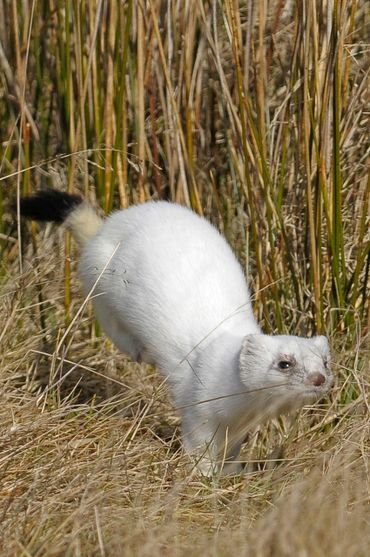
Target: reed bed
x,y
255,114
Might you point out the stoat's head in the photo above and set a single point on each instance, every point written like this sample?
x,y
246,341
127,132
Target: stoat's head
x,y
292,370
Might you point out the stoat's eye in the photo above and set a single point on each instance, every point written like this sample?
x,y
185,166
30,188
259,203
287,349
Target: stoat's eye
x,y
284,364
325,363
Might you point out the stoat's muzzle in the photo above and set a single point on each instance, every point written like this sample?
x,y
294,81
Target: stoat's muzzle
x,y
316,379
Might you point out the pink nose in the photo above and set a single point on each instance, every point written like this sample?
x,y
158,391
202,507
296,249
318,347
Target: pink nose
x,y
316,379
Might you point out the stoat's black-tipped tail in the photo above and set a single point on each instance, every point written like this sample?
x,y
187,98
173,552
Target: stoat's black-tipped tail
x,y
71,210
49,205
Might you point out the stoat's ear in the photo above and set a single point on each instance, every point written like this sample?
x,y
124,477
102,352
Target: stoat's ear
x,y
321,342
253,348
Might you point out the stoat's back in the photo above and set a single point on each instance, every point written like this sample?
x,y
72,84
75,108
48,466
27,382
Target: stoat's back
x,y
163,278
171,276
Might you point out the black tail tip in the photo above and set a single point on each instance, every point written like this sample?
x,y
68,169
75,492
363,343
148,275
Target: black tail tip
x,y
49,205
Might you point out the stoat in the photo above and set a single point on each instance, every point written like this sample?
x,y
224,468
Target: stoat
x,y
168,290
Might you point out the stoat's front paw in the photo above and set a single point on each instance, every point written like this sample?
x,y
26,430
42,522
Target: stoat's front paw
x,y
210,469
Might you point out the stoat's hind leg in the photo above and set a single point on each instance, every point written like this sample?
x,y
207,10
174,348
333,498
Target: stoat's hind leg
x,y
116,332
145,357
126,343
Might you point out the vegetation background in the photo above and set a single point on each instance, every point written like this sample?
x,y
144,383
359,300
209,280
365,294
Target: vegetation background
x,y
256,114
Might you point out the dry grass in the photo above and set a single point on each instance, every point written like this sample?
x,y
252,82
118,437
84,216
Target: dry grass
x,y
94,466
256,114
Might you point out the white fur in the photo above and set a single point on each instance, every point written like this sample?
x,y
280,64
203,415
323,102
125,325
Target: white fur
x,y
83,222
173,294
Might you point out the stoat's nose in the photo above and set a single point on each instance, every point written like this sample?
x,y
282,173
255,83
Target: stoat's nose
x,y
316,379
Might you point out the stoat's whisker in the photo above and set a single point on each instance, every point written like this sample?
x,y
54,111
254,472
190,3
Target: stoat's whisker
x,y
230,395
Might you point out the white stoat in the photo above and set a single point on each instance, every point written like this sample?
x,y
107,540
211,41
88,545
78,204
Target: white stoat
x,y
172,293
